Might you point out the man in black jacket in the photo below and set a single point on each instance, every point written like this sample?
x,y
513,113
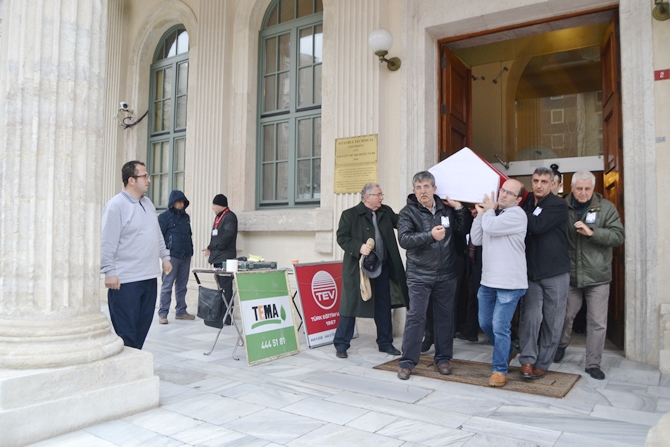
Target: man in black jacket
x,y
176,228
222,245
543,307
427,229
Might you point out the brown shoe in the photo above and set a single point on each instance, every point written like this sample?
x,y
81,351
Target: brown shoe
x,y
185,317
444,368
527,370
498,379
403,373
162,320
538,373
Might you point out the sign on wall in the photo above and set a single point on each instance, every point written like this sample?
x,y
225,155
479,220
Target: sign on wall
x,y
355,163
265,306
320,290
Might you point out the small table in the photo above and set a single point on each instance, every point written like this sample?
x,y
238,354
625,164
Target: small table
x,y
230,307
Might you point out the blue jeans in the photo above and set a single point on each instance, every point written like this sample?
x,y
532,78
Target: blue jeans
x,y
496,309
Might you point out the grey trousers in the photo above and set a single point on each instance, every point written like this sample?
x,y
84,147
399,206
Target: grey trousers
x,y
597,301
542,318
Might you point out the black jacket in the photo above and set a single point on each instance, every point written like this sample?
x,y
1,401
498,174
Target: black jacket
x,y
222,246
176,227
547,237
429,260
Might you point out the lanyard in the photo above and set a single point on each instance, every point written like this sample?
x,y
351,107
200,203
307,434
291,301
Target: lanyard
x,y
218,219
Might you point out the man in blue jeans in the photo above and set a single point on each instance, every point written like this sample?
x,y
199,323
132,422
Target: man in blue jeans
x,y
500,228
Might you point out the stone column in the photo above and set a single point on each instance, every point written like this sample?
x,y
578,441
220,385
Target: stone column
x,y
52,101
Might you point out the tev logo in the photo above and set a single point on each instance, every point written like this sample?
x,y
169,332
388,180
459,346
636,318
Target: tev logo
x,y
324,290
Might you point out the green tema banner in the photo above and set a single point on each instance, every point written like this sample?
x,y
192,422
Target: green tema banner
x,y
265,306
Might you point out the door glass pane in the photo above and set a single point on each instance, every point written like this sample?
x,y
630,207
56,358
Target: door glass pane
x,y
316,179
182,42
165,156
181,112
317,137
305,86
284,52
304,138
284,88
318,44
305,7
286,10
317,84
270,94
271,55
269,142
282,181
182,86
180,154
306,47
304,175
282,141
268,181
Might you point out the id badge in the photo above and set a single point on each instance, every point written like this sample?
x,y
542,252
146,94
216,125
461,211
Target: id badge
x,y
537,211
215,232
445,221
590,218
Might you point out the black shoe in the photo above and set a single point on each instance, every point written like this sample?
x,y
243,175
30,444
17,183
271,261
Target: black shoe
x,y
341,354
596,373
390,350
560,353
426,344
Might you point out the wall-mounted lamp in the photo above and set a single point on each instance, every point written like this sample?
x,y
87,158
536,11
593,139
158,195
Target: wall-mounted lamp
x,y
380,42
661,10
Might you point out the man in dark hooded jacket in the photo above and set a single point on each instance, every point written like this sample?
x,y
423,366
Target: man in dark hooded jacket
x,y
176,228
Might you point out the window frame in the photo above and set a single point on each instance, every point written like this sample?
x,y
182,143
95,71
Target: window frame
x,y
293,115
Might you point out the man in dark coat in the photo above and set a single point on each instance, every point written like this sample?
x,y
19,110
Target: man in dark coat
x,y
176,228
223,243
427,228
370,219
543,307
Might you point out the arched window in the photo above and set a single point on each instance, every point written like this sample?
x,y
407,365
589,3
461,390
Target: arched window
x,y
289,108
167,115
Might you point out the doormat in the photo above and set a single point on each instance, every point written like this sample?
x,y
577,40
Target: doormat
x,y
553,384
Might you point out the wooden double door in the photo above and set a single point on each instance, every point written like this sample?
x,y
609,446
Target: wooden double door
x,y
455,132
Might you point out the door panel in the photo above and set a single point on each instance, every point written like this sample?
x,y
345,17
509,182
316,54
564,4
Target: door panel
x,y
613,171
455,104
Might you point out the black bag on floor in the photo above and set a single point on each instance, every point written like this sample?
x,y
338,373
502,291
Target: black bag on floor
x,y
211,307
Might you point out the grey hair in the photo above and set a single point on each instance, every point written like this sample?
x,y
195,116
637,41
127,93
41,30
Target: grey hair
x,y
422,176
367,189
583,175
544,171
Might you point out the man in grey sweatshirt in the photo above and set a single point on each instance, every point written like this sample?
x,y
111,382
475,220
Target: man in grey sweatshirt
x,y
500,228
131,244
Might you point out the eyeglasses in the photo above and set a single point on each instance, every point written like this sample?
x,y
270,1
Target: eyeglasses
x,y
381,194
508,193
144,176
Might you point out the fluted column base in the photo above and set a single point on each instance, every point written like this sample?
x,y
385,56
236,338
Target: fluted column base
x,y
37,404
55,343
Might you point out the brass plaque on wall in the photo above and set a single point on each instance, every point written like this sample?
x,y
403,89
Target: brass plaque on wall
x,y
355,163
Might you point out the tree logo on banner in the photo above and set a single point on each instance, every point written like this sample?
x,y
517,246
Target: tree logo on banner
x,y
324,290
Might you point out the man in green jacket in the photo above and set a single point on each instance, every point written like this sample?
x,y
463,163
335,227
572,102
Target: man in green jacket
x,y
370,219
594,229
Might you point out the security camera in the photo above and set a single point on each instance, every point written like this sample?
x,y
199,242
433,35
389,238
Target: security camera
x,y
123,106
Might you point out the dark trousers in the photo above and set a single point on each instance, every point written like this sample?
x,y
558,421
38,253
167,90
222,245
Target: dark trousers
x,y
131,309
225,282
381,292
429,333
420,293
474,275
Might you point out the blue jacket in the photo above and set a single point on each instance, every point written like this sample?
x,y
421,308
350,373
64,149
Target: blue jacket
x,y
176,227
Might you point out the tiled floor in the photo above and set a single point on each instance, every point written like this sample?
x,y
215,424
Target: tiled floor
x,y
316,399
